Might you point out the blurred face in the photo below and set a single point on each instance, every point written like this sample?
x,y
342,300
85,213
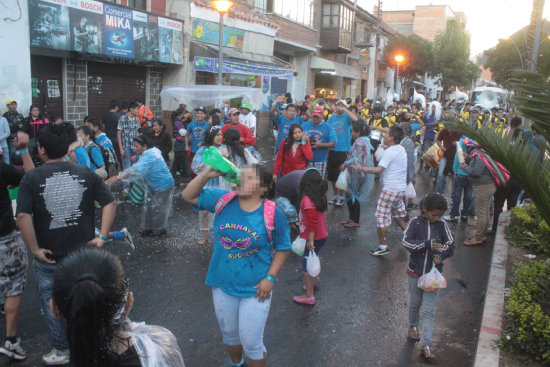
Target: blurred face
x,y
377,115
138,148
317,119
414,109
90,125
218,138
245,111
133,111
340,108
201,115
85,138
433,109
388,140
12,107
250,184
290,113
297,134
234,118
433,215
156,127
390,111
355,134
35,112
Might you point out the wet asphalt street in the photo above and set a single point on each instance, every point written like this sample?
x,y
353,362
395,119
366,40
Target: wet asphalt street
x,y
361,315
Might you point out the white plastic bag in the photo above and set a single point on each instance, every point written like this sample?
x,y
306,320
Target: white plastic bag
x,y
379,153
313,264
432,280
410,193
342,182
298,246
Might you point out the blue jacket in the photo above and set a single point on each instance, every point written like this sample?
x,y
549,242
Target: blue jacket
x,y
456,165
418,239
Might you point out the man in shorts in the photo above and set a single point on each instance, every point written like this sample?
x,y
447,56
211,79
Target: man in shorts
x,y
322,138
341,122
393,166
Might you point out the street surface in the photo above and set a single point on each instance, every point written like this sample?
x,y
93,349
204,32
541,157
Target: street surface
x,y
361,315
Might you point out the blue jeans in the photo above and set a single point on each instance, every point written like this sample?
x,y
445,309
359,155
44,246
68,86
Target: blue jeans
x,y
11,148
43,274
127,162
6,152
441,178
427,301
462,184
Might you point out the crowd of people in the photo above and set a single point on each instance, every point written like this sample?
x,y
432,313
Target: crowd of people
x,y
327,152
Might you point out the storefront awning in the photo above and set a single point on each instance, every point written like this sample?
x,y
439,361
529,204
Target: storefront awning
x,y
334,68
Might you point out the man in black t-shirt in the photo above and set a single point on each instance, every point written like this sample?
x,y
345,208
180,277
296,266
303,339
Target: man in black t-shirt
x,y
55,212
110,120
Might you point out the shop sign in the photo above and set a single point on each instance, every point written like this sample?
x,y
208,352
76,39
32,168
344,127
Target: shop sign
x,y
92,27
207,32
210,64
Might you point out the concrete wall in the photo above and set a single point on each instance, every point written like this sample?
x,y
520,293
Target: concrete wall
x,y
430,20
258,43
75,92
15,64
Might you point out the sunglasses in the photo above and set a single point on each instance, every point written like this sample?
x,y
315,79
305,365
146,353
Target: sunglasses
x,y
236,114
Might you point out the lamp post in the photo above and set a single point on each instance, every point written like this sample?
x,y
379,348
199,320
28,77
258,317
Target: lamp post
x,y
222,6
517,49
398,59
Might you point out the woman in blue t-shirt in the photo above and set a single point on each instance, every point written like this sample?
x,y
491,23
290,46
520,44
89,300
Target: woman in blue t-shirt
x,y
242,269
97,164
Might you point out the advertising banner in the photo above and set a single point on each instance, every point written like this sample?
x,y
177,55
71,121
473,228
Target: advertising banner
x,y
170,41
49,25
204,31
210,65
119,37
86,20
146,36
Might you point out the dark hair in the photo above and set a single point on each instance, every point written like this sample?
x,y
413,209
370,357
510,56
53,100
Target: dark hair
x,y
290,138
159,123
515,122
210,134
377,109
291,105
433,201
232,139
214,111
89,290
124,105
403,117
407,129
113,104
417,105
266,180
142,140
55,139
216,120
96,122
132,105
87,131
85,119
139,100
288,98
313,185
353,108
34,105
362,128
396,133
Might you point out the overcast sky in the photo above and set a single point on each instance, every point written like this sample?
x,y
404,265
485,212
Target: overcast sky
x,y
487,20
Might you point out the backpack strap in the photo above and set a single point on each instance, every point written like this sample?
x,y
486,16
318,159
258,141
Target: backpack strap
x,y
90,147
223,201
269,218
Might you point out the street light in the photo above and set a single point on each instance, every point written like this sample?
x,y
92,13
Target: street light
x,y
399,59
222,6
517,49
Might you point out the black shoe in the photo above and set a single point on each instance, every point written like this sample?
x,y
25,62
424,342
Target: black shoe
x,y
379,252
160,232
464,218
2,312
146,233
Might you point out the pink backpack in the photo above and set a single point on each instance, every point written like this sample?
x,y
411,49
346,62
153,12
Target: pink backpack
x,y
269,211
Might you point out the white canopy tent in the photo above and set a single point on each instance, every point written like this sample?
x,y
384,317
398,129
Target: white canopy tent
x,y
207,95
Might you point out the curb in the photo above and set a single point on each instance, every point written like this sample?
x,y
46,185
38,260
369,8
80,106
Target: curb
x,y
487,351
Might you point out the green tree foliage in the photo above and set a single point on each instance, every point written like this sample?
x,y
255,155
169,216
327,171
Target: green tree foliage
x,y
452,53
417,53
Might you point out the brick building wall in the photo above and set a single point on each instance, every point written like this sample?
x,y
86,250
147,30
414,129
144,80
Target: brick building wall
x,y
76,96
154,82
429,21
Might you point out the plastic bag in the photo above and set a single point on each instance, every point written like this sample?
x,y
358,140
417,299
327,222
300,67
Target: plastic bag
x,y
313,264
155,345
432,280
342,182
298,246
410,193
379,153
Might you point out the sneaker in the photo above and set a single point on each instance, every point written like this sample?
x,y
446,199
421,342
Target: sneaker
x,y
56,358
448,218
379,252
13,350
339,202
128,237
426,352
464,218
414,334
333,201
305,301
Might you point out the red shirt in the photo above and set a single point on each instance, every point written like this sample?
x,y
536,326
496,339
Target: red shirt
x,y
448,137
246,134
290,161
312,220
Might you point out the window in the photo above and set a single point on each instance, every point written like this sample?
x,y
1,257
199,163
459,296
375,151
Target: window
x,y
300,11
260,5
346,20
138,4
330,15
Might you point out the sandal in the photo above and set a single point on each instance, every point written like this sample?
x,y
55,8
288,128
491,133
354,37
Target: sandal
x,y
201,242
345,222
352,225
472,242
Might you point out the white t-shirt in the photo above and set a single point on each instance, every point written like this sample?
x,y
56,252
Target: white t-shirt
x,y
394,162
249,121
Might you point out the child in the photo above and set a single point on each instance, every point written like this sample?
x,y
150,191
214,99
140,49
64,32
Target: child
x,y
430,241
313,229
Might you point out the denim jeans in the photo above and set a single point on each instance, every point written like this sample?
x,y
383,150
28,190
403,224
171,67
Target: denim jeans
x,y
426,300
127,162
11,148
462,184
43,274
6,153
441,178
242,321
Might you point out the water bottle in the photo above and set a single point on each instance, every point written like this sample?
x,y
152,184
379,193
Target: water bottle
x,y
459,153
217,161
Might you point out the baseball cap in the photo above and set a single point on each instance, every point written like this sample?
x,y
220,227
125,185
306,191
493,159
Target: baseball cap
x,y
232,111
343,101
318,111
10,101
201,108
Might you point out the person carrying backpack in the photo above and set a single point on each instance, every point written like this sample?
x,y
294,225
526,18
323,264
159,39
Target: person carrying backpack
x,y
112,165
246,227
97,164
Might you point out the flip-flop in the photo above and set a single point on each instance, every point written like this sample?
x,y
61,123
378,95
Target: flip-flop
x,y
471,243
352,225
201,242
344,222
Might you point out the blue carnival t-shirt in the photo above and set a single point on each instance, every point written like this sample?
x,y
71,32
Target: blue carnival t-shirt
x,y
283,124
342,127
242,252
196,133
323,133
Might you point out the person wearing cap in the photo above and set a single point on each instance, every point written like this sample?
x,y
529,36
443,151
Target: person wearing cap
x,y
16,122
195,133
380,126
365,111
247,138
247,118
284,122
322,137
341,122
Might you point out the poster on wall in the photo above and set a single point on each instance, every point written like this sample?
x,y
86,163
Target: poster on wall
x,y
170,41
119,40
86,20
49,25
204,31
146,38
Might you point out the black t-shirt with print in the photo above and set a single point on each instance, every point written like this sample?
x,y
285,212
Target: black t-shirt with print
x,y
9,175
110,120
60,197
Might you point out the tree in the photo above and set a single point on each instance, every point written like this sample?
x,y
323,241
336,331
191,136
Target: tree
x,y
418,55
452,50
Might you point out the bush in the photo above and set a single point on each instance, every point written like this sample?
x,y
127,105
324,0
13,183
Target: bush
x,y
528,323
528,229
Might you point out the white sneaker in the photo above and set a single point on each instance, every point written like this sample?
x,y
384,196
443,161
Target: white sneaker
x,y
13,350
56,358
128,237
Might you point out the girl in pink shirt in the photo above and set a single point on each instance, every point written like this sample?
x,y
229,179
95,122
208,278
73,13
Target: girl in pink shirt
x,y
313,228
